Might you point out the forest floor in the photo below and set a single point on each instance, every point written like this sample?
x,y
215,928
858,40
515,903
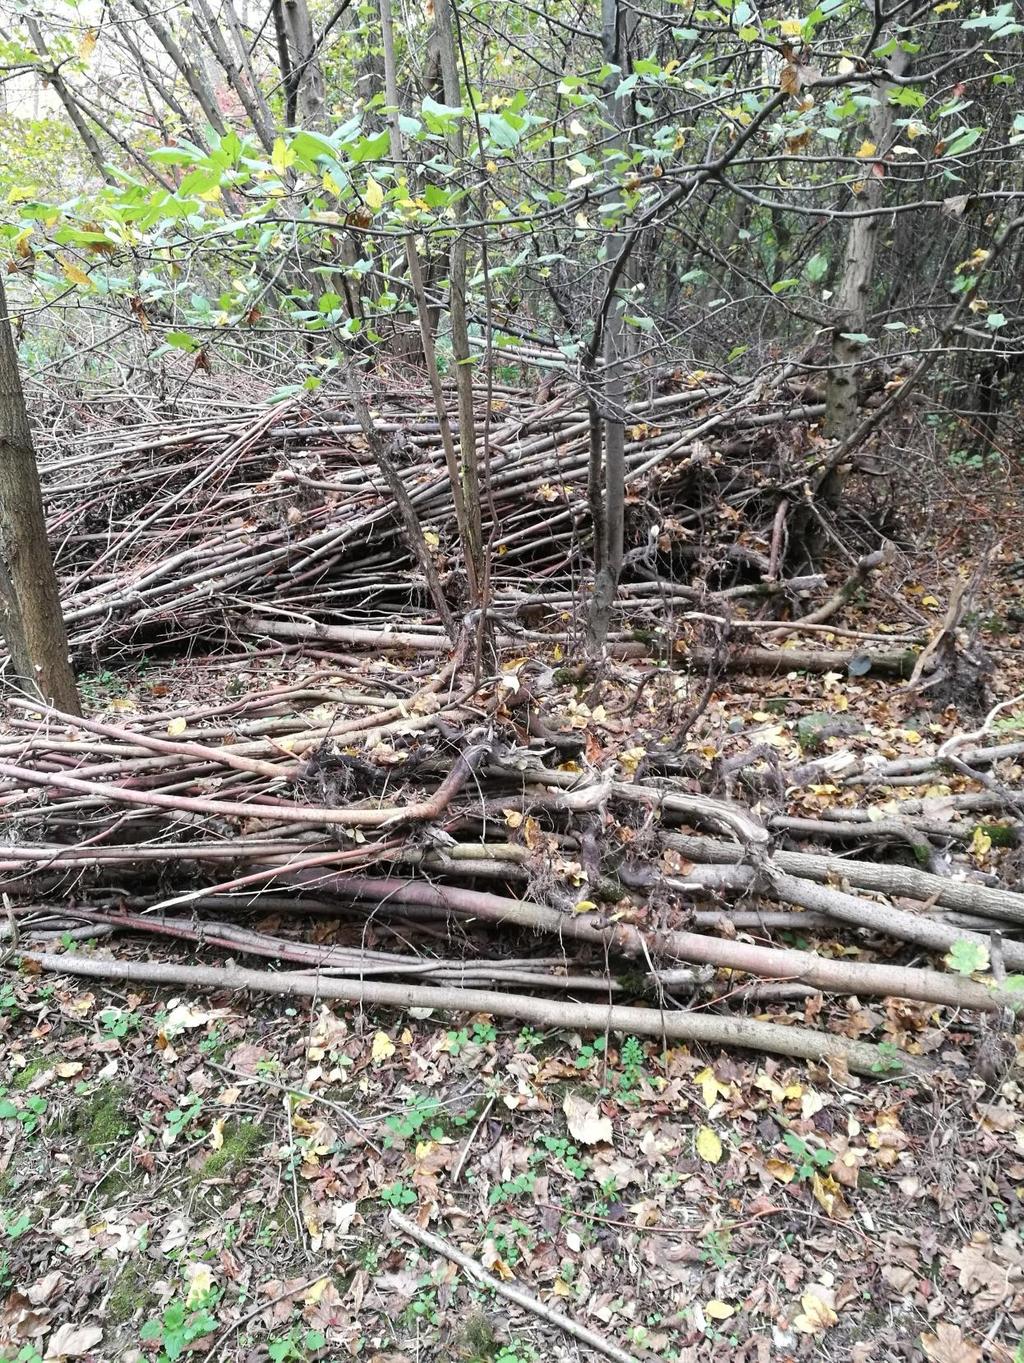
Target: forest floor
x,y
214,1177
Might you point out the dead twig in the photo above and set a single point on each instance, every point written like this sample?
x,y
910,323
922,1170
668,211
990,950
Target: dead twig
x,y
526,1300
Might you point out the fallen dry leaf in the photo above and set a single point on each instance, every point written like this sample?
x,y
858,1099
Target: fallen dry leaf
x,y
947,1345
72,1341
709,1146
586,1123
816,1316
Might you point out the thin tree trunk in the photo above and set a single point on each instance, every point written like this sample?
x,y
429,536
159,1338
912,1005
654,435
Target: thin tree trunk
x,y
193,76
615,39
419,293
71,108
855,286
307,73
30,614
457,279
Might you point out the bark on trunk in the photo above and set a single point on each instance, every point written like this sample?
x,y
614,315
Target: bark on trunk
x,y
858,269
30,615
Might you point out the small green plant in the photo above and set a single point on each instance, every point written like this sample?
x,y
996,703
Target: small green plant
x,y
590,1052
520,1186
514,1352
457,1042
28,1354
423,1307
8,1002
28,1115
398,1195
179,1327
116,1023
295,1346
562,1149
715,1248
179,1118
405,1125
17,1226
889,1061
633,1064
528,1039
808,1161
484,1032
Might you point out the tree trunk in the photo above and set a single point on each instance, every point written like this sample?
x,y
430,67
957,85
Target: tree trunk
x,y
30,615
854,289
615,26
457,297
306,73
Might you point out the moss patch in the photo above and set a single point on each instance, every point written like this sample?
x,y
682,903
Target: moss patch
x,y
242,1140
24,1077
128,1294
477,1340
101,1119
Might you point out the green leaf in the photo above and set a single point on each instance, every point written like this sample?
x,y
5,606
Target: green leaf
x,y
180,340
995,320
967,957
857,337
816,268
961,144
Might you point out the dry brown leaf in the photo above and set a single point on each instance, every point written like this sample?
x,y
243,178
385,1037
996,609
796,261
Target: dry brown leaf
x,y
817,1315
586,1123
72,1341
947,1345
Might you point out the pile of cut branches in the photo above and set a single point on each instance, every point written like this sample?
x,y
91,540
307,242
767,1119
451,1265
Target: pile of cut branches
x,y
277,524
316,833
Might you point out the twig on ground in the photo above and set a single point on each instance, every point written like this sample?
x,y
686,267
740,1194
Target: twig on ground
x,y
511,1292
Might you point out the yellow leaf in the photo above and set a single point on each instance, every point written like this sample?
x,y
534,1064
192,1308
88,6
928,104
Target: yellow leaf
x,y
768,1085
85,47
282,155
911,735
217,1133
709,1147
829,1197
21,243
816,1316
811,1102
791,28
561,1288
981,844
178,725
710,1086
382,1048
314,1294
73,273
200,1280
718,1310
584,906
374,194
68,1069
866,149
781,1169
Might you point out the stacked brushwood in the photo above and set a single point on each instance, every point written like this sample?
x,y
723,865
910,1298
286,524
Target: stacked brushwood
x,y
257,819
299,840
267,522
